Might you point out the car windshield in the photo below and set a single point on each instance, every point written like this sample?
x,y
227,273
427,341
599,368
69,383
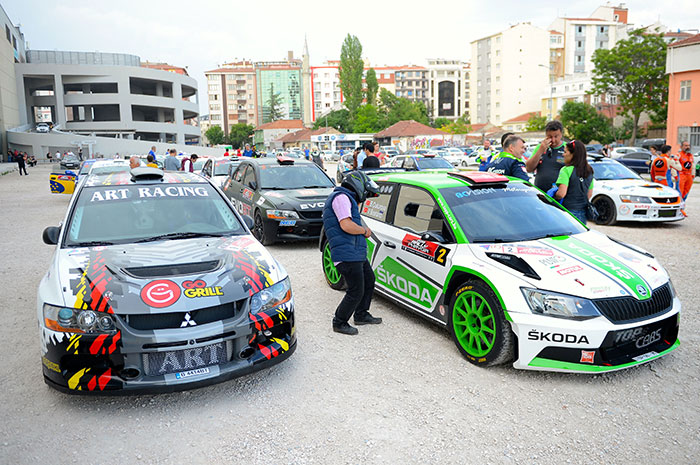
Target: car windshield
x,y
106,215
431,163
292,177
608,171
107,169
517,212
221,168
86,168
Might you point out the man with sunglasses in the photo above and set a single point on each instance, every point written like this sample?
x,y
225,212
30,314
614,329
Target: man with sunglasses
x,y
548,158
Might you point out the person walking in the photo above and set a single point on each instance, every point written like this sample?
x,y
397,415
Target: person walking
x,y
575,180
21,159
686,174
188,163
316,158
510,161
548,158
171,163
348,245
367,151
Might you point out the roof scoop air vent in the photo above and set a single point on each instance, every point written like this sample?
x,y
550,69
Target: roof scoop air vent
x,y
173,270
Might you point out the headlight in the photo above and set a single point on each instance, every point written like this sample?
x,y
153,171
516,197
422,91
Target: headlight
x,y
271,297
72,320
281,214
673,289
559,305
634,199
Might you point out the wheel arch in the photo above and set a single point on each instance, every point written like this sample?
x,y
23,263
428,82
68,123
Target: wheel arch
x,y
459,275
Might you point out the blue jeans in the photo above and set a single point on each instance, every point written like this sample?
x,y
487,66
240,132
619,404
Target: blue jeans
x,y
580,214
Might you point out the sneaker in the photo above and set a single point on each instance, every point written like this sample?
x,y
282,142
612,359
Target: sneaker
x,y
345,328
367,319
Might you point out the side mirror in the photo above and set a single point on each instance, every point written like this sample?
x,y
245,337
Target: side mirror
x,y
248,221
432,236
50,235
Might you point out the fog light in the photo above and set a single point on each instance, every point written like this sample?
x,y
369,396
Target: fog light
x,y
86,320
267,333
106,323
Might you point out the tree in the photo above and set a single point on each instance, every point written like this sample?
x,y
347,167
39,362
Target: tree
x,y
367,119
440,122
459,126
215,135
624,132
339,119
395,109
350,70
582,122
536,123
241,134
372,86
274,103
635,71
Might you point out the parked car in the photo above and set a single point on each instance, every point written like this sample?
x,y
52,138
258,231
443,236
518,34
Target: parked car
x,y
617,152
70,161
417,162
636,161
219,169
43,127
656,143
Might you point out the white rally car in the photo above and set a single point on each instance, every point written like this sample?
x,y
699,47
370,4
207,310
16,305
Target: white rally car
x,y
512,276
620,194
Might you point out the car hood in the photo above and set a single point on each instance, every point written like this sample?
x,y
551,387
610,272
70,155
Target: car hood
x,y
165,276
635,187
298,199
588,265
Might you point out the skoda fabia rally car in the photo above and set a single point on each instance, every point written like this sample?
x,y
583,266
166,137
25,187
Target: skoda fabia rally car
x,y
513,276
620,194
156,284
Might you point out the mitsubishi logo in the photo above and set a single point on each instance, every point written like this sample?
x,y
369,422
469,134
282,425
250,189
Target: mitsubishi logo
x,y
188,321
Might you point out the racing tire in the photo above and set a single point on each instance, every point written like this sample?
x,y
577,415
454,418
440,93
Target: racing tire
x,y
607,214
334,279
478,326
259,230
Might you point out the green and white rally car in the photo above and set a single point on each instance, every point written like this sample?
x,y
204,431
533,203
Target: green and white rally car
x,y
513,276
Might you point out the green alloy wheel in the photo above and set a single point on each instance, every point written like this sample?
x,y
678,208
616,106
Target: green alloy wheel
x,y
334,279
478,325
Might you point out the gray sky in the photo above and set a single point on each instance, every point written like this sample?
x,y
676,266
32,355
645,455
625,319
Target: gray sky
x,y
201,35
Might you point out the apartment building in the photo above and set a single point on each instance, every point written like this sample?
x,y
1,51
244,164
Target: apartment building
x,y
232,95
683,68
12,50
508,72
413,83
448,89
325,89
284,78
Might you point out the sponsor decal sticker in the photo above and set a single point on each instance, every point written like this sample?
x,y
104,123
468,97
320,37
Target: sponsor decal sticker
x,y
404,282
247,194
587,356
188,321
260,200
648,355
624,209
50,365
160,293
535,335
424,249
569,270
307,206
600,289
519,249
552,262
187,374
198,288
148,192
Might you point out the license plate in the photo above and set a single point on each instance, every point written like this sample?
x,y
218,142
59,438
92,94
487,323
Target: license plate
x,y
187,374
646,356
288,222
184,361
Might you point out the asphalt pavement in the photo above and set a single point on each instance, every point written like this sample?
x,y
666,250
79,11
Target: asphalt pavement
x,y
399,392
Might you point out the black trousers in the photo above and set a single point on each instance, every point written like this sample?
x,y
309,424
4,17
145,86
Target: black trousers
x,y
360,281
22,167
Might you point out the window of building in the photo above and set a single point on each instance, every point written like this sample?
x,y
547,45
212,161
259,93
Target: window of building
x,y
327,95
685,91
613,99
498,66
580,87
231,107
498,78
214,87
398,93
231,96
579,43
315,75
566,88
215,107
8,34
250,86
579,29
215,117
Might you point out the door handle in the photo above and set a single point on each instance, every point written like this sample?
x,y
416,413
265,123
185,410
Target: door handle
x,y
389,244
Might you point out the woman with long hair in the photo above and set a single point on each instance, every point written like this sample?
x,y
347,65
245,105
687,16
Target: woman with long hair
x,y
575,181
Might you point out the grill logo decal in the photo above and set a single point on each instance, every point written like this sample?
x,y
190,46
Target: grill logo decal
x,y
160,293
188,321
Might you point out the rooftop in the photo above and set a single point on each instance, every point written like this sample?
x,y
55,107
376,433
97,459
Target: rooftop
x,y
689,41
409,128
282,124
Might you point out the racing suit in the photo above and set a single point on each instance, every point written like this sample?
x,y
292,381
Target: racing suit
x,y
685,176
659,170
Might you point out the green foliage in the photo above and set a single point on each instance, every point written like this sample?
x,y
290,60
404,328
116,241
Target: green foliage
x,y
582,122
440,122
386,99
372,86
397,109
240,135
350,70
367,119
536,123
339,119
635,71
459,126
215,135
274,103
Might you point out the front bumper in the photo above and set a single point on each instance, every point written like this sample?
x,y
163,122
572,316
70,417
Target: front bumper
x,y
592,346
303,229
166,360
649,212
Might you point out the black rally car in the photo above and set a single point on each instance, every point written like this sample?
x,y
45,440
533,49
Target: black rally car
x,y
284,196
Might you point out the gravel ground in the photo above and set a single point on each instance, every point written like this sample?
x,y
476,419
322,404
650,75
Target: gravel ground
x,y
399,392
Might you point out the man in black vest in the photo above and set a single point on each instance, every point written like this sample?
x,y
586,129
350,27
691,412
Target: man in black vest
x,y
347,240
548,158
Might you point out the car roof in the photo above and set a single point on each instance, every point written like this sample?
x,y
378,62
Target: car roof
x,y
430,179
143,175
273,161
